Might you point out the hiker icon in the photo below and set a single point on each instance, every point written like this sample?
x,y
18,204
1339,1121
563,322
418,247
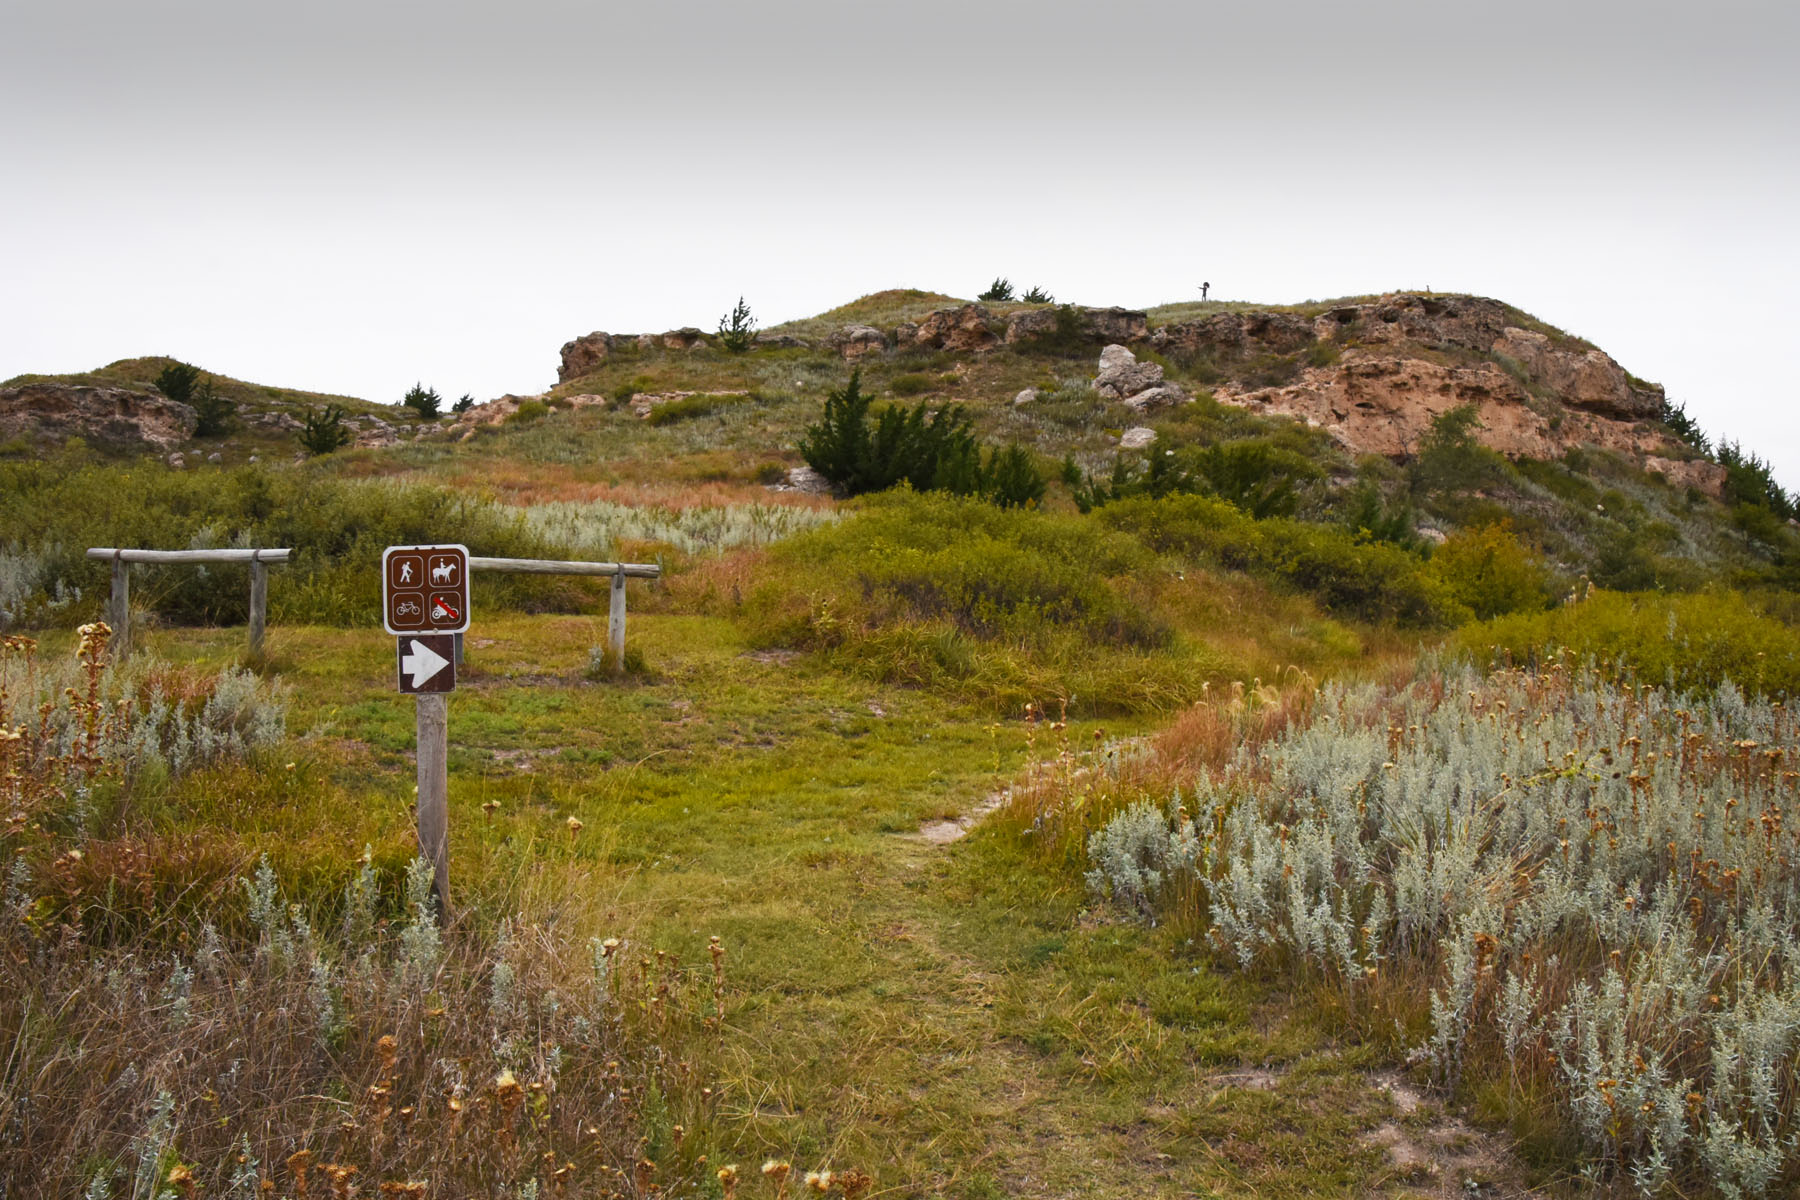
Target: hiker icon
x,y
405,572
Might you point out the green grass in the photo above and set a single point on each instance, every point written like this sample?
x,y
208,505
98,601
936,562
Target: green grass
x,y
948,1018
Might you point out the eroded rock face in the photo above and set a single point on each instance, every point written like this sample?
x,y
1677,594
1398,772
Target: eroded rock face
x,y
105,416
1469,322
779,341
1098,324
1384,404
1583,378
854,341
968,328
685,338
1697,473
1233,334
583,355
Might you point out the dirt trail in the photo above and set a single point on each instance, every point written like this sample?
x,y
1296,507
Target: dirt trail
x,y
1041,1145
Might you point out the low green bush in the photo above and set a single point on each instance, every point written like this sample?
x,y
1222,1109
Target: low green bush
x,y
1491,573
859,449
998,605
1348,575
689,407
911,384
337,528
1686,642
528,410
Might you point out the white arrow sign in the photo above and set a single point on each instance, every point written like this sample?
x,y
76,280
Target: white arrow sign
x,y
422,663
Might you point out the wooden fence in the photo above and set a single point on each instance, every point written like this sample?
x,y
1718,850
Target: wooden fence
x,y
615,614
118,611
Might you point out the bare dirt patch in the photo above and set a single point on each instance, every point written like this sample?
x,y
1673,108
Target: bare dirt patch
x,y
942,833
773,658
1431,1153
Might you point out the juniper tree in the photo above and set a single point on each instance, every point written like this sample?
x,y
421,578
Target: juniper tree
x,y
737,329
323,432
424,401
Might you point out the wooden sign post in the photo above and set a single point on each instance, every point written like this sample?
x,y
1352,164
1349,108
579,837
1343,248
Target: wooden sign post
x,y
425,605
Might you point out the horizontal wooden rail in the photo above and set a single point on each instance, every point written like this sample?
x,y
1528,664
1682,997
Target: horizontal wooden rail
x,y
118,610
190,556
546,566
615,613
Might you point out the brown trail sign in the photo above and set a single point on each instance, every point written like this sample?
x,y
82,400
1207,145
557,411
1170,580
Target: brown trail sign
x,y
427,663
425,589
425,605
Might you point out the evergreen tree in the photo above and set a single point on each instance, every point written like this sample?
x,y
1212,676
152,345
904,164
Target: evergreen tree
x,y
177,381
215,411
424,401
1000,289
323,432
188,385
862,451
737,329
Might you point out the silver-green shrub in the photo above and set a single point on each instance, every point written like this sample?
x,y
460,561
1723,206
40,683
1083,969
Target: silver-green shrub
x,y
597,527
1606,881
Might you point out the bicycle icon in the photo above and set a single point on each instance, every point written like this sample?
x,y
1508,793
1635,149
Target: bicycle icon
x,y
407,608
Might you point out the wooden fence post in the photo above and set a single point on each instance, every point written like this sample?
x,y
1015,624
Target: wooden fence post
x,y
259,605
118,612
434,794
615,623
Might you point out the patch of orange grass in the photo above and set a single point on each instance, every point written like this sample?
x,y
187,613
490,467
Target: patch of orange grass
x,y
1208,734
714,584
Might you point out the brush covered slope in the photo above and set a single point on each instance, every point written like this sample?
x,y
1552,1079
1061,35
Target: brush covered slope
x,y
1233,815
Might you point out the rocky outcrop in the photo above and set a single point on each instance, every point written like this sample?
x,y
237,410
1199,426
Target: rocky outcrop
x,y
803,479
1700,474
1231,335
779,341
118,418
1385,404
280,422
1140,385
1467,322
854,341
1163,395
1582,378
1137,438
1098,325
685,338
373,431
968,328
583,355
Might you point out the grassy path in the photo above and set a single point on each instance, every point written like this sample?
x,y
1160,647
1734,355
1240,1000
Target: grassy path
x,y
945,1017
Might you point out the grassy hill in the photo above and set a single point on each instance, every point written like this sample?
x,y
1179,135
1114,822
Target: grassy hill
x,y
1262,819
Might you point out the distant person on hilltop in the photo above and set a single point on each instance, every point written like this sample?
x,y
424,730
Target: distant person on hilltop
x,y
1205,288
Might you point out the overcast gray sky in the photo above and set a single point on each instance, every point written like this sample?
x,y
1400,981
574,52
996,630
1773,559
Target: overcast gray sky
x,y
347,197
